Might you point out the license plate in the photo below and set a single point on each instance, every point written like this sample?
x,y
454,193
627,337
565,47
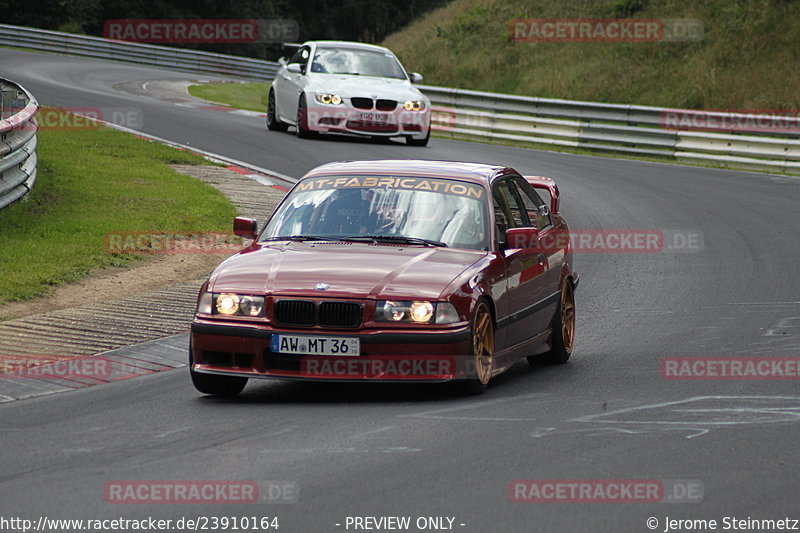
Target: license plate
x,y
374,117
297,344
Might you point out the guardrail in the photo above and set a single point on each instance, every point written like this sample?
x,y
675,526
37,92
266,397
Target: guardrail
x,y
627,129
182,59
17,142
632,129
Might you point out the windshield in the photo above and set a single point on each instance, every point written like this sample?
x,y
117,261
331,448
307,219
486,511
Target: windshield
x,y
448,212
360,62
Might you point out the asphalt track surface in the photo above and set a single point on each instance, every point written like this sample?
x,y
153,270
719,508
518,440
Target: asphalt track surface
x,y
406,450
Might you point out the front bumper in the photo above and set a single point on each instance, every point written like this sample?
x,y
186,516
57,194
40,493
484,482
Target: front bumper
x,y
348,119
386,355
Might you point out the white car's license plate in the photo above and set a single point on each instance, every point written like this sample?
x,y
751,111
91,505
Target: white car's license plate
x,y
373,117
297,344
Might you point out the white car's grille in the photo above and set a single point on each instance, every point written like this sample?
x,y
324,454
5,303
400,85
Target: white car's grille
x,y
381,104
385,105
361,103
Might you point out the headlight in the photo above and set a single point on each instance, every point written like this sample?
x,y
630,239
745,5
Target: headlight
x,y
227,304
230,304
416,312
392,311
252,305
446,313
205,303
414,105
420,312
329,99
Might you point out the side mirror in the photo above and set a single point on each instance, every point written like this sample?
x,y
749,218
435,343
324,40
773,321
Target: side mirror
x,y
245,227
282,61
523,238
543,210
415,77
295,68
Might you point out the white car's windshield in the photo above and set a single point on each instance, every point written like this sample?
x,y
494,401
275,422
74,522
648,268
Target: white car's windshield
x,y
441,212
356,62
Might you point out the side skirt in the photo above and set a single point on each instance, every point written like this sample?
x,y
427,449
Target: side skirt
x,y
506,357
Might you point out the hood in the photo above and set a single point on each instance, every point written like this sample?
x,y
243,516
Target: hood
x,y
352,270
347,86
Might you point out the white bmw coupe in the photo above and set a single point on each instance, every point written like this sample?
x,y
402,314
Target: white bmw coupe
x,y
347,87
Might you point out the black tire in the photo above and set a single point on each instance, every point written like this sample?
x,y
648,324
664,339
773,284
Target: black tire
x,y
302,120
273,123
563,330
411,141
481,362
215,385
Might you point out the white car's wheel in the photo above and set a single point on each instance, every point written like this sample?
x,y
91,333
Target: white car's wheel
x,y
303,130
273,123
411,141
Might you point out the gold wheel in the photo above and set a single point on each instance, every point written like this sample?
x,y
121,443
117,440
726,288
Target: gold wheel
x,y
567,317
483,343
563,337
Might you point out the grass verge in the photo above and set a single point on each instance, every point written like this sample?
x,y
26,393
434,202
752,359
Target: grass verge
x,y
250,96
91,182
748,56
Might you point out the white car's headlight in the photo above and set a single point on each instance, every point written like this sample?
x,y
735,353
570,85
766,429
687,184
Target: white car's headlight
x,y
414,105
328,99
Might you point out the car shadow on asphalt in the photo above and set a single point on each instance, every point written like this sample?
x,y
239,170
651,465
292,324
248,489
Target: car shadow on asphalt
x,y
519,378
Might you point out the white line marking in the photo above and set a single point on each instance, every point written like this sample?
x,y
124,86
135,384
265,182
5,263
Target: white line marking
x,y
765,303
172,432
379,430
774,410
783,323
478,405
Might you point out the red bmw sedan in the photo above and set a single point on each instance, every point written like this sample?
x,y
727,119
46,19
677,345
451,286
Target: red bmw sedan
x,y
406,270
